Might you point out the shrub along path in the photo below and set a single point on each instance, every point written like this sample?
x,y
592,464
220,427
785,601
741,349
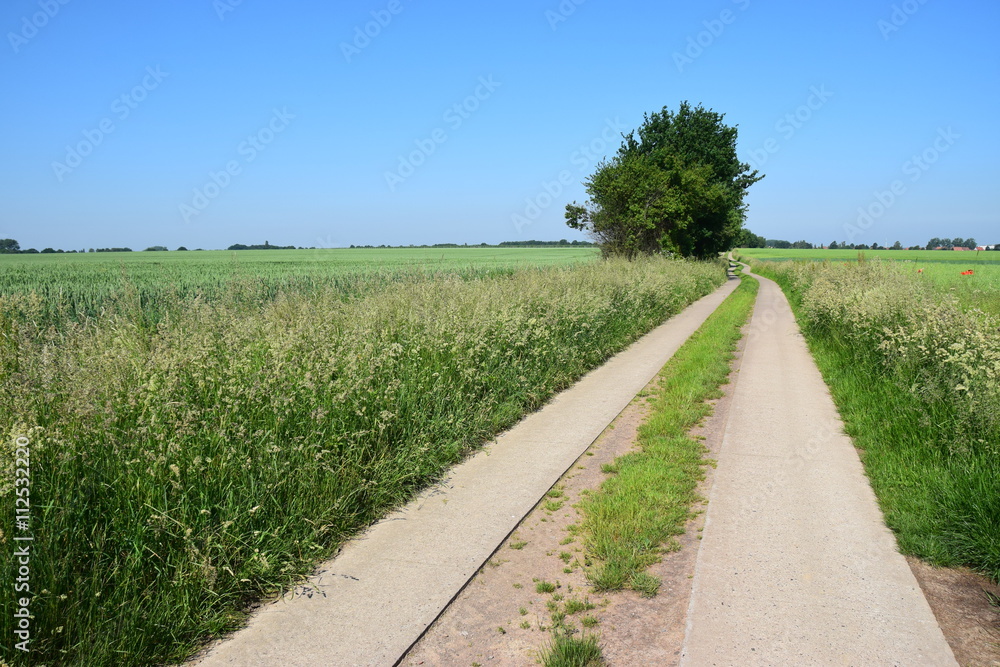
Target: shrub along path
x,y
796,565
375,599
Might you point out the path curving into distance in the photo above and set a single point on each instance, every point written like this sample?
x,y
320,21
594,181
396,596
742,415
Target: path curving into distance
x,y
372,602
796,566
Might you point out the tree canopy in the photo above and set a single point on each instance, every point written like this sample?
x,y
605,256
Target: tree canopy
x,y
675,186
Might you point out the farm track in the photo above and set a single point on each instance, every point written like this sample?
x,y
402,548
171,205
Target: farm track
x,y
796,565
373,601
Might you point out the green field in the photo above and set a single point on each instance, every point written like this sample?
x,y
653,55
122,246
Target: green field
x,y
192,451
942,269
81,285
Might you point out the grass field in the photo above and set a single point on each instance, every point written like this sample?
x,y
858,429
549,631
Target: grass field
x,y
913,363
941,269
72,286
184,465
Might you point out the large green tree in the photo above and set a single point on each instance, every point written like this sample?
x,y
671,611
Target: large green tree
x,y
675,186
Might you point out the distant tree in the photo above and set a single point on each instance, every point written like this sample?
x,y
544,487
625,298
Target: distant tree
x,y
29,251
181,248
778,243
876,246
802,245
9,245
748,239
90,250
676,185
971,243
833,245
156,248
860,246
897,246
48,250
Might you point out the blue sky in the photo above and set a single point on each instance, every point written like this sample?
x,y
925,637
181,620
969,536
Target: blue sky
x,y
209,122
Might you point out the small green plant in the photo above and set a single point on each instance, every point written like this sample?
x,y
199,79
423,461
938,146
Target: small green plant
x,y
545,587
501,630
518,545
575,606
645,583
569,651
553,505
518,586
523,611
555,492
590,621
566,556
567,540
525,625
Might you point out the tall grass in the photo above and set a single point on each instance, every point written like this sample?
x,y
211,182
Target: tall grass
x,y
185,465
917,379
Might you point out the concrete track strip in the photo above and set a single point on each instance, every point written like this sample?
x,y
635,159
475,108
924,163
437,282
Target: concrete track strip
x,y
796,566
372,602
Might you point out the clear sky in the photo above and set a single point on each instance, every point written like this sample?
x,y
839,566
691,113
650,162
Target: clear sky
x,y
204,123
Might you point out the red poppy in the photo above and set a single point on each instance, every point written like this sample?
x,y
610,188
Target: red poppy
x,y
967,273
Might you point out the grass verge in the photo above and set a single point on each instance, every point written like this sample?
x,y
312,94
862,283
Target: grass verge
x,y
635,514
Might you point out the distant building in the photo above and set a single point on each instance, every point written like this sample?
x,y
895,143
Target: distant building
x,y
960,248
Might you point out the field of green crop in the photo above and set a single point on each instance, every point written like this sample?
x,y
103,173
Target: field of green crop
x,y
912,359
946,271
195,449
71,286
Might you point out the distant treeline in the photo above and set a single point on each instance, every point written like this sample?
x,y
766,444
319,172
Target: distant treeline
x,y
266,246
10,246
562,243
748,239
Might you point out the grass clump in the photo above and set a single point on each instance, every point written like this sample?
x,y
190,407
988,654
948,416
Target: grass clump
x,y
545,587
567,650
635,514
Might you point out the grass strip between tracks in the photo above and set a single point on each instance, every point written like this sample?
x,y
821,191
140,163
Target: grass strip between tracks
x,y
637,511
